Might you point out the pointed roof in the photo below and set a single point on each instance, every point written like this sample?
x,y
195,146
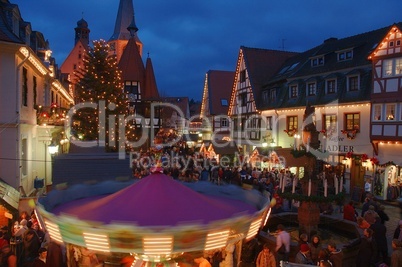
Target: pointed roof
x,y
131,64
219,88
151,89
125,18
156,200
262,64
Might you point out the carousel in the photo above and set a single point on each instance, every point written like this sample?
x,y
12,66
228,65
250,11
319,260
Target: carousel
x,y
155,220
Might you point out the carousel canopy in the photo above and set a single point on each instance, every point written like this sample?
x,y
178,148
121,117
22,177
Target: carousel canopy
x,y
156,200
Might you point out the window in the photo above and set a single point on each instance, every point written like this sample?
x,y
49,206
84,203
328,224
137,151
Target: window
x,y
224,122
353,83
345,55
377,112
293,91
318,61
390,112
272,95
392,67
387,67
131,88
24,156
311,89
391,44
35,91
242,99
330,123
398,66
291,123
331,86
242,76
352,122
268,123
398,43
224,102
265,96
25,87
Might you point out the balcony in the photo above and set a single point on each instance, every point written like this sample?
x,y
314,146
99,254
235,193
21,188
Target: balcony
x,y
52,115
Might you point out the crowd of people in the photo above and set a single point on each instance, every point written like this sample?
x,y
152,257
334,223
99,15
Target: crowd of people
x,y
27,245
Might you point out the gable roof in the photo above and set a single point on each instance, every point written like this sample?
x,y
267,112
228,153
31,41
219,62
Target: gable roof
x,y
261,64
219,87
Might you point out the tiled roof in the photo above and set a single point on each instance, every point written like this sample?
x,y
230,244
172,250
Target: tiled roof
x,y
261,64
219,87
224,147
151,89
6,33
298,70
131,63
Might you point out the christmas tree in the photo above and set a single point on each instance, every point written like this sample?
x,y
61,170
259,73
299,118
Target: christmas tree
x,y
100,94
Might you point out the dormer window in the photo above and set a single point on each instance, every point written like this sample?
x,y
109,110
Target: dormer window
x,y
293,91
272,95
345,55
317,61
353,83
330,86
311,89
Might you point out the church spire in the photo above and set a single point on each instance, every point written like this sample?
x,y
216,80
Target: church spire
x,y
125,17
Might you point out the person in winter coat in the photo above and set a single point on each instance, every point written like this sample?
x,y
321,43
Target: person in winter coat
x,y
315,248
367,249
380,238
335,255
266,258
303,256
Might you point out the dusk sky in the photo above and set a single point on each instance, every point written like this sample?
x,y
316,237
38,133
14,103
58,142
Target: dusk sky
x,y
186,38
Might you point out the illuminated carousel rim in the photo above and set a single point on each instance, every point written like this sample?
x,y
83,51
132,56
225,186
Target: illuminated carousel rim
x,y
129,237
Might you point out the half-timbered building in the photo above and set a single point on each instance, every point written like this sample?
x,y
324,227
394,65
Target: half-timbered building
x,y
334,78
254,68
215,105
386,112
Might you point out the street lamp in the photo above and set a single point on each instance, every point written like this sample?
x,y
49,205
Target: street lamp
x,y
53,149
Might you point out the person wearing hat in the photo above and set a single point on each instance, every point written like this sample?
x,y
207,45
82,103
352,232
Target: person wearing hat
x,y
303,256
8,257
41,260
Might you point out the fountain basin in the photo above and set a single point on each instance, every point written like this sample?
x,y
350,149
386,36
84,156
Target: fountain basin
x,y
344,233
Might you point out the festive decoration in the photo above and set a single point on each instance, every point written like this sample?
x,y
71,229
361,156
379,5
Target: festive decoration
x,y
99,80
374,161
350,134
313,198
290,132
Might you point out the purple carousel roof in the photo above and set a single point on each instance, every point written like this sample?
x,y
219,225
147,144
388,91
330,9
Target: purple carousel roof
x,y
156,200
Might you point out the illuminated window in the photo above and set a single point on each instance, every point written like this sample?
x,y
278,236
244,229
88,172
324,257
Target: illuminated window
x,y
352,122
390,112
387,67
292,123
377,112
330,122
132,90
391,67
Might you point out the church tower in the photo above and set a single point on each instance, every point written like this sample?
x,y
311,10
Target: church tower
x,y
125,19
82,32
